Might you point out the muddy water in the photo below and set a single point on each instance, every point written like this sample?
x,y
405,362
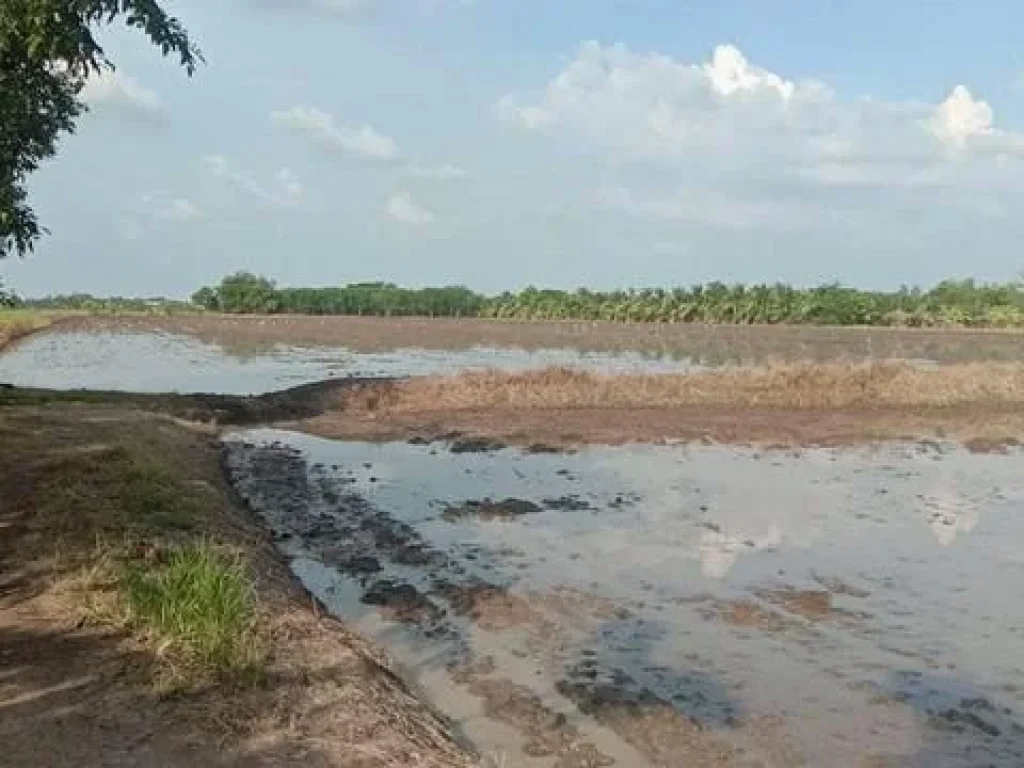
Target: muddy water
x,y
698,605
164,362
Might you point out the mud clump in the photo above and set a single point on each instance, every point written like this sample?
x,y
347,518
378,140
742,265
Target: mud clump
x,y
403,601
653,726
359,565
486,509
625,500
570,503
548,733
747,614
543,448
492,608
808,603
994,445
475,445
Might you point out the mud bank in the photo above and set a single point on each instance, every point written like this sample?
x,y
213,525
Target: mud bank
x,y
218,410
982,428
78,684
357,409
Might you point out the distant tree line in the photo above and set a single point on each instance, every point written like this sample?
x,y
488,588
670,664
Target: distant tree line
x,y
85,302
251,294
953,303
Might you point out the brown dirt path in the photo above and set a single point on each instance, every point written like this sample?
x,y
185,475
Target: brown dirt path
x,y
78,690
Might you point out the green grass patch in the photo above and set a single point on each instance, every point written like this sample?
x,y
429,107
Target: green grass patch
x,y
200,607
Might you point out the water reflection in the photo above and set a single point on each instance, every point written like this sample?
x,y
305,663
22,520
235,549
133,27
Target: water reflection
x,y
163,362
950,515
768,595
720,551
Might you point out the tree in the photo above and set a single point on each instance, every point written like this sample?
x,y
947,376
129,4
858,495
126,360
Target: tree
x,y
207,298
47,51
246,293
8,299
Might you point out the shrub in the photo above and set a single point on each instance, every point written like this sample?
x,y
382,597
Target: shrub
x,y
200,604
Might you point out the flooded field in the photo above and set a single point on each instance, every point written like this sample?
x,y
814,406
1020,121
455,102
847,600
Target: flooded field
x,y
699,345
663,606
692,603
156,361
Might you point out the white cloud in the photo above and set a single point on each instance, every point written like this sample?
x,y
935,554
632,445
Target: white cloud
x,y
960,117
320,126
111,88
443,172
651,105
179,210
284,190
729,72
401,209
727,145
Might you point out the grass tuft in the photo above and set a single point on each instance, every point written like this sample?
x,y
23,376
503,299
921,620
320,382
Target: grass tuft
x,y
199,605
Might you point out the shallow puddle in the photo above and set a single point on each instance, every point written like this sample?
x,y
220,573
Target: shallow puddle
x,y
699,606
163,362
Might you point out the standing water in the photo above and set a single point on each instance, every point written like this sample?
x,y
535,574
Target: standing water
x,y
164,362
699,606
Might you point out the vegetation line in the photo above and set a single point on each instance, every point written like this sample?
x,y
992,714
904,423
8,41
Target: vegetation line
x,y
949,304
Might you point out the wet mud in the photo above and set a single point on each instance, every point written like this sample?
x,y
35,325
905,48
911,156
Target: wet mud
x,y
507,509
640,607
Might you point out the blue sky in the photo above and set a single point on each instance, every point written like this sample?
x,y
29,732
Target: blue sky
x,y
498,144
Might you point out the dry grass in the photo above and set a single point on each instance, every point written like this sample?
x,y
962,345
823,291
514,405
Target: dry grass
x,y
15,323
804,386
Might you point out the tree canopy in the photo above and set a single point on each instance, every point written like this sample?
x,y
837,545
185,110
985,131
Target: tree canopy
x,y
47,51
953,303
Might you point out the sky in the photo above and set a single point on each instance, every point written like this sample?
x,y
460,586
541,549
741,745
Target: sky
x,y
503,143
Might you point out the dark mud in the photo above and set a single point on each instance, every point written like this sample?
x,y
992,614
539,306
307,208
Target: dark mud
x,y
475,445
486,509
312,509
303,402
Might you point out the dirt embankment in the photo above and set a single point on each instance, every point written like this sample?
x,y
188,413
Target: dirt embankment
x,y
981,405
92,493
302,402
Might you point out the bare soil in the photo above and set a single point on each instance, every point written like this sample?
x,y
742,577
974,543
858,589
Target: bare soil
x,y
354,409
77,690
983,428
